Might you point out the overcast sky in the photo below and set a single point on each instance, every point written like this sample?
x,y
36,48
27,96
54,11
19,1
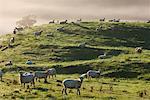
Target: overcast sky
x,y
12,10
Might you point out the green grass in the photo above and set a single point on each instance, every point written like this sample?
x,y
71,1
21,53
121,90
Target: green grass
x,y
62,51
122,89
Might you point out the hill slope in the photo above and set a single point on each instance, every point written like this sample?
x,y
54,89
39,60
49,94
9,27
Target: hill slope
x,y
60,49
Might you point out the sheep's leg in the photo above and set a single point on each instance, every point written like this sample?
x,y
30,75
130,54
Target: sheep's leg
x,y
62,90
66,91
78,91
55,75
24,85
36,79
45,80
33,83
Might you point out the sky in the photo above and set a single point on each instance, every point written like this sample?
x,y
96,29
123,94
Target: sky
x,y
45,10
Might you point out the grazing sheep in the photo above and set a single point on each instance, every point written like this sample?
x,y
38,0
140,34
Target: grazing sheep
x,y
52,21
50,35
18,28
99,28
72,84
51,72
138,50
29,62
111,20
82,45
148,21
102,56
60,29
37,33
102,20
1,75
41,74
116,20
63,22
9,63
26,77
79,20
12,40
93,74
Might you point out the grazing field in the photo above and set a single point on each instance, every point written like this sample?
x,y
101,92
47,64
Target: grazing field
x,y
74,50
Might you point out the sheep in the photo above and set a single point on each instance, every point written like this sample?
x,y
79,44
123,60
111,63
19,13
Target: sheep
x,y
82,45
18,28
52,21
29,62
41,74
1,75
12,40
79,20
116,20
72,84
102,56
60,29
111,20
148,21
63,22
138,50
93,74
26,77
99,28
51,72
102,20
49,35
9,63
37,33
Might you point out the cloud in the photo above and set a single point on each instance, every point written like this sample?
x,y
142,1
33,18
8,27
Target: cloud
x,y
12,10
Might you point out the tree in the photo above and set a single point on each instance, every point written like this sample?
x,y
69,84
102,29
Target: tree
x,y
26,21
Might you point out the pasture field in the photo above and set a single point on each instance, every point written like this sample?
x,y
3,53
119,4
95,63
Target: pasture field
x,y
122,89
125,70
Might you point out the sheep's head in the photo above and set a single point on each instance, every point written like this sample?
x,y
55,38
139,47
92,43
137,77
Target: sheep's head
x,y
81,78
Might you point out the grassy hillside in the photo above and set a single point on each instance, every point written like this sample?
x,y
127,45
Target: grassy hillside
x,y
60,49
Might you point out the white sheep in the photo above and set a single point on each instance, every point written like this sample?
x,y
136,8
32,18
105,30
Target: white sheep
x,y
148,21
1,75
52,21
82,45
138,49
93,74
63,22
78,21
60,29
72,84
51,72
12,40
102,56
41,75
9,63
26,77
18,28
116,20
102,19
111,20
